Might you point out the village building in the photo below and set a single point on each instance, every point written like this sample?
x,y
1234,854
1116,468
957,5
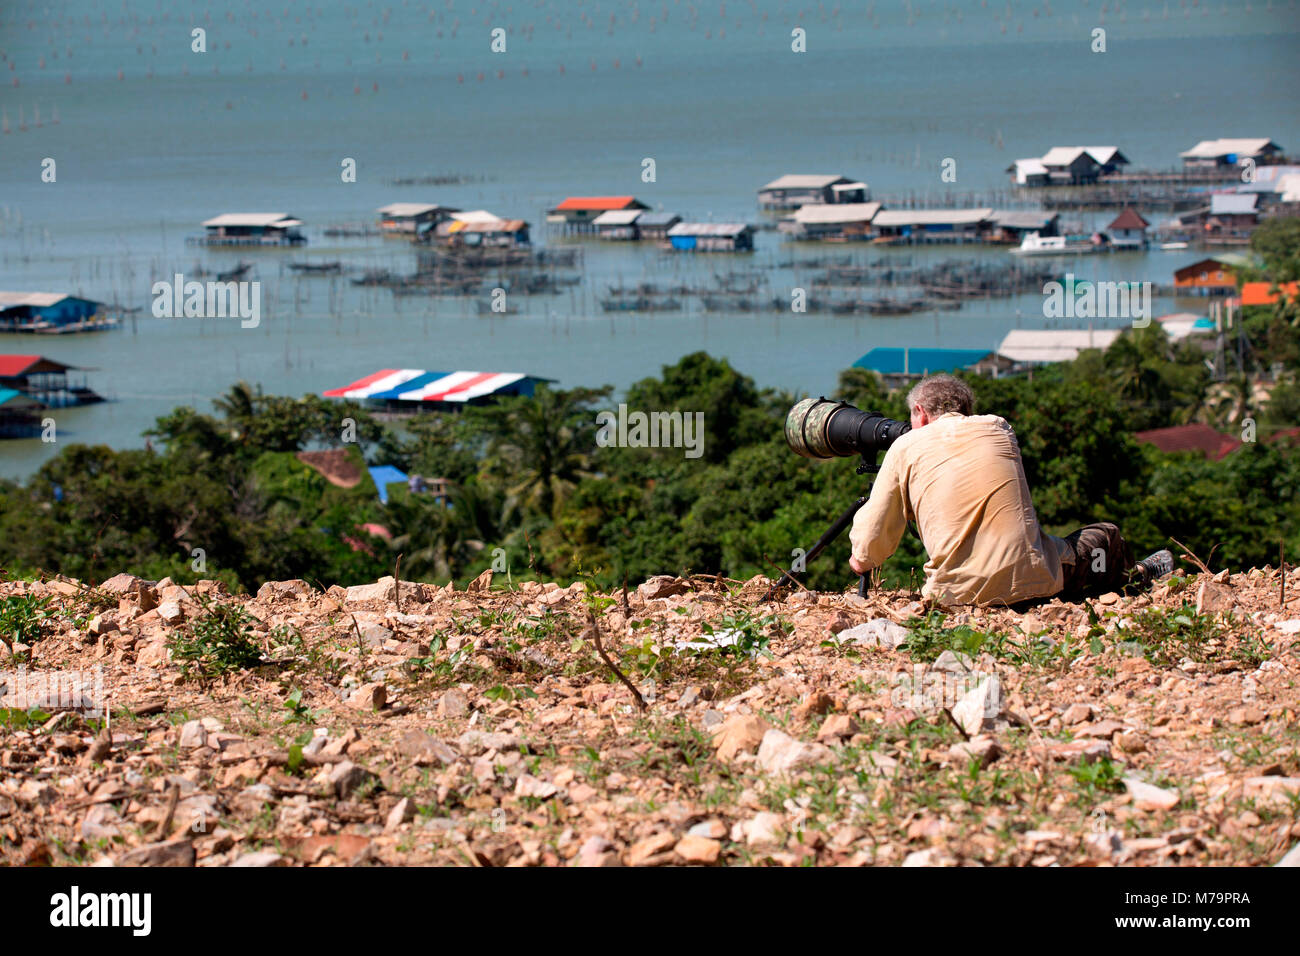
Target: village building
x,y
932,225
1068,166
712,237
618,224
49,312
1014,225
1128,230
46,381
578,213
410,390
1212,153
1042,346
797,189
1268,293
409,218
251,229
655,225
20,415
1028,172
833,221
1214,276
488,233
898,366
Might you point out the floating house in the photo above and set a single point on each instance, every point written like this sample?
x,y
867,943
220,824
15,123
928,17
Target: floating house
x,y
20,415
1212,153
831,221
655,225
46,381
1028,172
409,390
578,213
1042,346
251,229
491,233
712,237
1014,225
797,189
618,224
409,218
1128,230
1215,276
1233,212
49,312
1068,166
932,225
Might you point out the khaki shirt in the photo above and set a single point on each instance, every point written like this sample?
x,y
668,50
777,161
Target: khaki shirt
x,y
961,480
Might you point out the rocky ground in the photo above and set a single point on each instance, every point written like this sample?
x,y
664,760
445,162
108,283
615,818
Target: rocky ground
x,y
406,724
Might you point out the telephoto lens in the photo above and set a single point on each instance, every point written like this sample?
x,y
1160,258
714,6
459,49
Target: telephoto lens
x,y
820,428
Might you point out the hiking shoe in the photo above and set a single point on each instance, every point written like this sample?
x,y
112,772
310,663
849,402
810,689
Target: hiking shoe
x,y
1155,566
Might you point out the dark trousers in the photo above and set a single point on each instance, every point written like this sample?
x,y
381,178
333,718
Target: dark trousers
x,y
1102,559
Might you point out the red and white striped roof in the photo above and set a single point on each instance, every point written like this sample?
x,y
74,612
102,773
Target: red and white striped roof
x,y
418,385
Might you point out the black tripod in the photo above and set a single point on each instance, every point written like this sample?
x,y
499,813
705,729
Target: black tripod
x,y
865,467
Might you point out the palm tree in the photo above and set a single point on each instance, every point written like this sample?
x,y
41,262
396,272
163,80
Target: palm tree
x,y
539,448
239,406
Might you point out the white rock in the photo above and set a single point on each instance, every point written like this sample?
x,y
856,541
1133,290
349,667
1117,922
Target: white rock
x,y
1149,797
880,632
404,810
261,858
781,753
171,613
763,828
980,706
193,734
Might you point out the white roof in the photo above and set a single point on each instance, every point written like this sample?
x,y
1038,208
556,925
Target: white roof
x,y
617,217
476,215
1030,167
252,219
837,212
1063,155
1053,345
40,299
709,229
800,181
401,210
1214,148
1226,204
844,187
1103,154
930,217
1288,187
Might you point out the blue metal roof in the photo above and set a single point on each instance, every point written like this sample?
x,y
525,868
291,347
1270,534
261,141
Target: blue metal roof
x,y
383,476
892,361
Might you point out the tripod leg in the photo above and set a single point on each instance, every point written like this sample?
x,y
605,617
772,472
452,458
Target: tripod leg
x,y
833,532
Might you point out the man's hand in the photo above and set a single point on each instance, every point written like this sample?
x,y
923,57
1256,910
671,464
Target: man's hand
x,y
857,566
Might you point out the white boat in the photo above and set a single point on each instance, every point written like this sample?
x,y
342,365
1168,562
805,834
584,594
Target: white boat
x,y
1035,245
1172,246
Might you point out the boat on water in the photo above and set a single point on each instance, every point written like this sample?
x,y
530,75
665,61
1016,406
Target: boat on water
x,y
317,268
1035,245
1173,246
